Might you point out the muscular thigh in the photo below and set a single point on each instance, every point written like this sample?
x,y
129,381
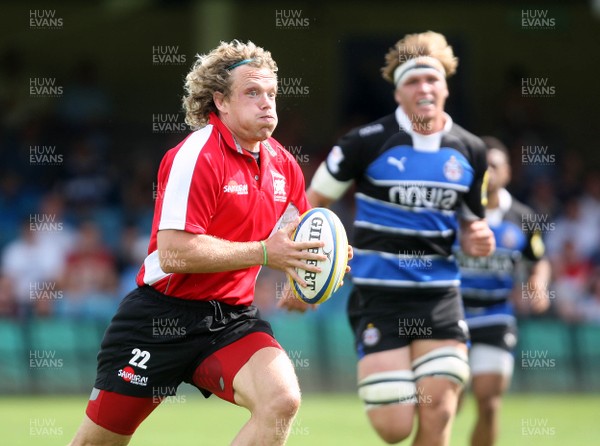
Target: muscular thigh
x,y
395,359
268,373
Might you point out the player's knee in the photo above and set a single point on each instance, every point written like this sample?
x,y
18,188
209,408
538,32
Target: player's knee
x,y
488,406
283,404
436,415
447,362
393,433
392,423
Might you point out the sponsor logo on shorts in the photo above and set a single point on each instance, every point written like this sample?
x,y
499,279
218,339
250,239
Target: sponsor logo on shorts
x,y
128,375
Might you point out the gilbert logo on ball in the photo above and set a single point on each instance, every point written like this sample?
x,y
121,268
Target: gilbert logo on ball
x,y
321,224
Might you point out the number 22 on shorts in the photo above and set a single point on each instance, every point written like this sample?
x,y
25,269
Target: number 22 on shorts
x,y
140,358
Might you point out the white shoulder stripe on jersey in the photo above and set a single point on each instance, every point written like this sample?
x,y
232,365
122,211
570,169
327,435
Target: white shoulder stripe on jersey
x,y
406,283
453,186
361,196
175,200
152,271
404,231
325,184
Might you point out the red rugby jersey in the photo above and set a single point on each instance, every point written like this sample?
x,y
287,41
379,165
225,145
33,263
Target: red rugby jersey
x,y
206,185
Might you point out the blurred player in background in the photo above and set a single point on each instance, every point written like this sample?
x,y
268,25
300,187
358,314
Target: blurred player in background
x,y
419,177
221,193
490,285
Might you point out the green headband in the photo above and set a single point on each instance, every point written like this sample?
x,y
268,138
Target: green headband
x,y
237,64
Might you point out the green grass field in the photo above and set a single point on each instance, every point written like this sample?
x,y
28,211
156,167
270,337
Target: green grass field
x,y
324,420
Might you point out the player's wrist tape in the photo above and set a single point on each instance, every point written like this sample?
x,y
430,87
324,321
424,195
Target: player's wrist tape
x,y
265,256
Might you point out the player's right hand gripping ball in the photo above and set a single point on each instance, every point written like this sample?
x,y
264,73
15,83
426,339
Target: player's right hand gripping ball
x,y
321,224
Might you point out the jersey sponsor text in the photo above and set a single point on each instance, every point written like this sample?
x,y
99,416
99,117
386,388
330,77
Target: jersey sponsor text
x,y
424,196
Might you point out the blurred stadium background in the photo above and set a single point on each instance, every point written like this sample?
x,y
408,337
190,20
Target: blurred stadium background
x,y
90,100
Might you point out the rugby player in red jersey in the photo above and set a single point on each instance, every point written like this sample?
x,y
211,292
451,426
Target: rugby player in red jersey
x,y
228,198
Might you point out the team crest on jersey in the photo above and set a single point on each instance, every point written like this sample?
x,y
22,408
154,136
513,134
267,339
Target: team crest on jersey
x,y
453,171
279,192
371,335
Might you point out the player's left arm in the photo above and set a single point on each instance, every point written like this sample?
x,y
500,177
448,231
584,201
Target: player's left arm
x,y
540,273
476,237
537,284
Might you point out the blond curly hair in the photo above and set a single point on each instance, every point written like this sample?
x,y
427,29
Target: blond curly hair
x,y
423,44
212,72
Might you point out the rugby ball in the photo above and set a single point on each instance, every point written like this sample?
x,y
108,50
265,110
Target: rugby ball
x,y
321,224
